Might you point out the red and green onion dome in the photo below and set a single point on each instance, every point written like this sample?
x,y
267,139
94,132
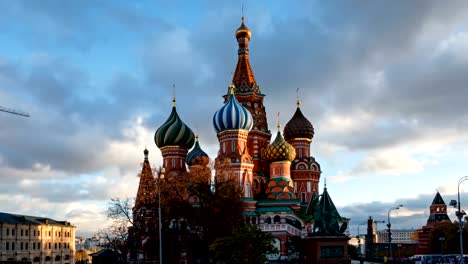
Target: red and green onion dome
x,y
232,116
280,188
174,132
279,150
197,156
298,126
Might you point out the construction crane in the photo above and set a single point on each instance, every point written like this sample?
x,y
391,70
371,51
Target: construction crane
x,y
12,111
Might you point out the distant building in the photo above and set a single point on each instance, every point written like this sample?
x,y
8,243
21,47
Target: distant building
x,y
36,239
399,236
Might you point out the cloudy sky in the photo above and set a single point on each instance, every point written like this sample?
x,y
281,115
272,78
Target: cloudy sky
x,y
385,84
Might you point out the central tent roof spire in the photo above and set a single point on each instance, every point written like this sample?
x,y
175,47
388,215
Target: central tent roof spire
x,y
243,78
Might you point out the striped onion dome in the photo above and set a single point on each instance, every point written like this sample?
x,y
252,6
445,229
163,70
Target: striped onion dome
x,y
174,132
232,116
279,150
196,155
298,126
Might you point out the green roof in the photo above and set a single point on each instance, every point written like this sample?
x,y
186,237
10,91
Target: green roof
x,y
438,200
274,209
30,220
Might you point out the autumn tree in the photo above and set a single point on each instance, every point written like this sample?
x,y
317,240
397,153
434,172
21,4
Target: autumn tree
x,y
247,245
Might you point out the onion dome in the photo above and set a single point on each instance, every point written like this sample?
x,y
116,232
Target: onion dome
x,y
232,116
196,155
174,132
243,31
298,126
279,150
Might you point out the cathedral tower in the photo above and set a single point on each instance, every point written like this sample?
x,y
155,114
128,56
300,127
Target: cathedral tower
x,y
305,171
248,94
174,138
232,123
280,154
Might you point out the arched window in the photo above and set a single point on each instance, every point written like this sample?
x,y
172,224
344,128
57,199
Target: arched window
x,y
254,220
277,219
267,220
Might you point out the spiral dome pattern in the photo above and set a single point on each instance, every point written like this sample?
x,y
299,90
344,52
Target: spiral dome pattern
x,y
174,132
298,127
196,155
279,150
232,116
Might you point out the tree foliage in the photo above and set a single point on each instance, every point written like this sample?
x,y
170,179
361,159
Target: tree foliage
x,y
445,236
247,244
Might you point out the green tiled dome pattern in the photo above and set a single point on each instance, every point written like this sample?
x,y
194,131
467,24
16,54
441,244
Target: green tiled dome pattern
x,y
279,150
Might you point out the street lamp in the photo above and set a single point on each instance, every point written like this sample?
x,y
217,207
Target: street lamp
x,y
389,225
160,177
460,213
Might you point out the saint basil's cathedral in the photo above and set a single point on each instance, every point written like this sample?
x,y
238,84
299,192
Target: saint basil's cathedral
x,y
278,180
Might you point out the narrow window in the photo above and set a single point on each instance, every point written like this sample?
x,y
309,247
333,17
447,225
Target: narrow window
x,y
27,245
8,231
303,197
12,245
27,232
233,146
12,232
224,147
34,245
21,246
309,187
173,163
7,245
21,232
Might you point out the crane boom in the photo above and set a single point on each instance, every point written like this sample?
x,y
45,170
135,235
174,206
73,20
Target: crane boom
x,y
12,111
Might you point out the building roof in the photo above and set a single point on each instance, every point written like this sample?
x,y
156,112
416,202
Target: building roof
x,y
30,220
438,199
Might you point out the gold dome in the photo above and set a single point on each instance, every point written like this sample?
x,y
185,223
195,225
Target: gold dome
x,y
243,31
279,150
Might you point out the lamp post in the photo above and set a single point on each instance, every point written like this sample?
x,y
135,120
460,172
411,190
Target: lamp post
x,y
160,176
389,225
460,213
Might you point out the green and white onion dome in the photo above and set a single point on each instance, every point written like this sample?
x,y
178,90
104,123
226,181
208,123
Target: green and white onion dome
x,y
174,132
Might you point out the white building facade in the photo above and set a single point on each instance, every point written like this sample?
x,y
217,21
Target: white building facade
x,y
399,236
36,239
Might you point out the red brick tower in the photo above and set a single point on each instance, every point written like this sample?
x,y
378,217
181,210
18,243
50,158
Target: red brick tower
x,y
232,123
248,94
305,170
145,216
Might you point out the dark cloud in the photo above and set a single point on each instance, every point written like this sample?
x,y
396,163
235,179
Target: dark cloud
x,y
378,64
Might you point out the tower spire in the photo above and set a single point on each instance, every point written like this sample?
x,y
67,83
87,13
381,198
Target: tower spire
x,y
243,78
298,102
